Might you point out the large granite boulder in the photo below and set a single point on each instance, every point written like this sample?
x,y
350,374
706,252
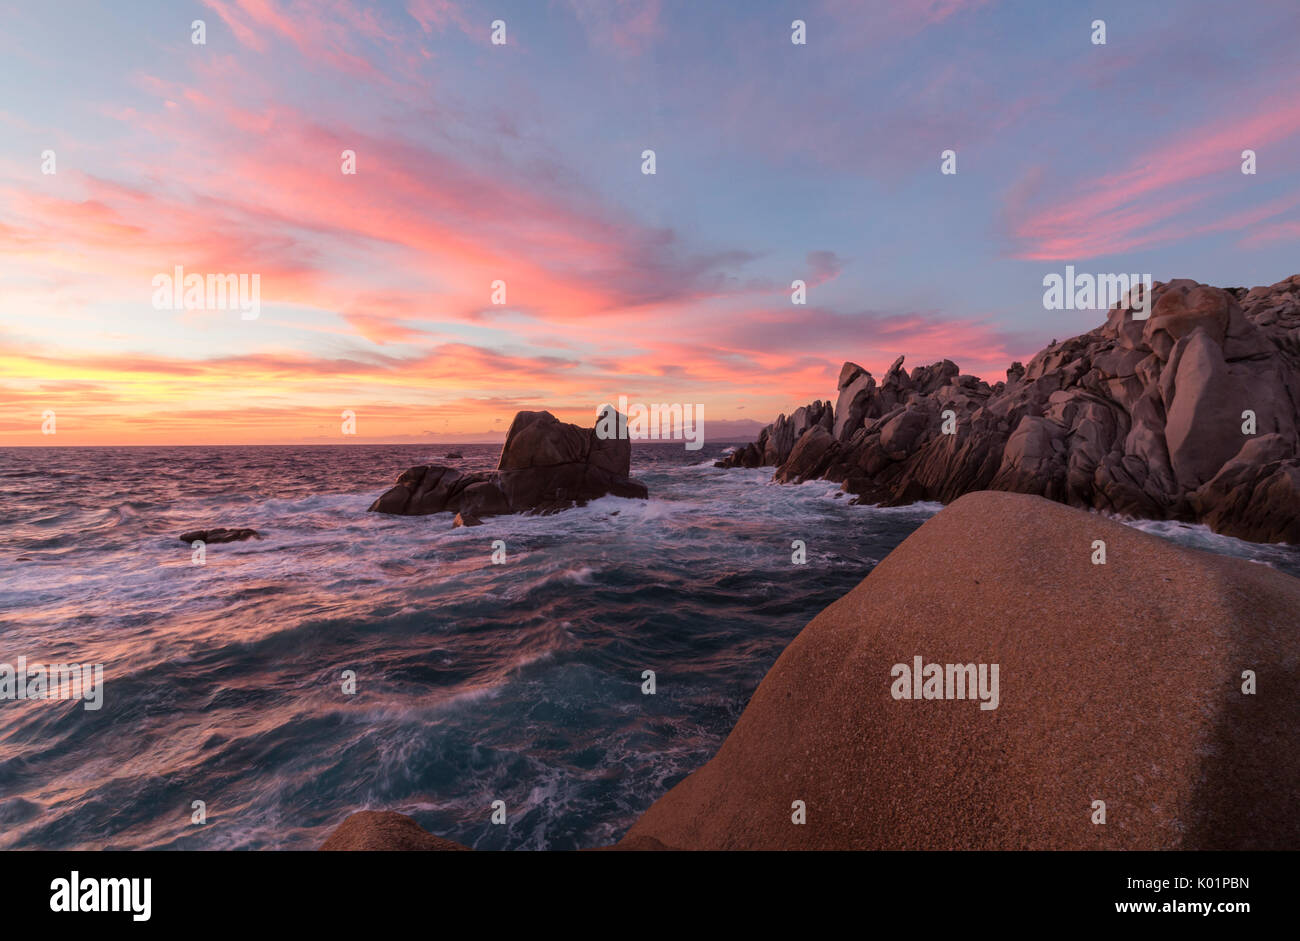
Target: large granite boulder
x,y
1120,682
1146,418
1255,494
857,390
546,465
810,456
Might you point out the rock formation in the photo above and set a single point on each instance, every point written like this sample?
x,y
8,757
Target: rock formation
x,y
1119,682
219,535
1191,414
546,465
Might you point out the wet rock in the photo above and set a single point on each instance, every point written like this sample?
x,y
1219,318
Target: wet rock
x,y
546,465
219,535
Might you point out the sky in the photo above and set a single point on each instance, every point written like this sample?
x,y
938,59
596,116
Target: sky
x,y
522,163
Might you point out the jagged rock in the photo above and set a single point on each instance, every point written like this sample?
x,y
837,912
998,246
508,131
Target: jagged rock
x,y
1136,417
857,388
1033,459
810,457
484,498
787,432
902,433
1255,494
1182,307
1202,429
539,439
219,535
546,465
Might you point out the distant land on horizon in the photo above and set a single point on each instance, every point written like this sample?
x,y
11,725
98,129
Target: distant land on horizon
x,y
727,431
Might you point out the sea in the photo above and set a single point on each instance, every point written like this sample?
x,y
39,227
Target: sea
x,y
348,660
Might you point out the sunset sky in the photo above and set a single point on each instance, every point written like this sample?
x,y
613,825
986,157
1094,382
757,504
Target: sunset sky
x,y
522,162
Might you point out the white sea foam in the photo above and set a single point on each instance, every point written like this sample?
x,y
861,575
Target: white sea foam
x,y
1198,536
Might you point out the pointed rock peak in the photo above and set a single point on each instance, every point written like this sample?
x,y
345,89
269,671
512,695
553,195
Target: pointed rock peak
x,y
898,365
850,372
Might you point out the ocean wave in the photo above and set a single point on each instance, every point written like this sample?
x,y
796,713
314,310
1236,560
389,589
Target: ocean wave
x,y
1198,536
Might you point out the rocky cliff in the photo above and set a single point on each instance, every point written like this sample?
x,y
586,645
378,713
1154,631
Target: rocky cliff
x,y
1191,414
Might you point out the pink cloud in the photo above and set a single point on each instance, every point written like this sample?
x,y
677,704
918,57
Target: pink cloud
x,y
860,24
268,196
438,15
321,33
1137,206
627,25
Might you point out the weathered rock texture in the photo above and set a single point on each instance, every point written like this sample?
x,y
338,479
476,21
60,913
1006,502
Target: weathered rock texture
x,y
1139,417
1119,682
546,465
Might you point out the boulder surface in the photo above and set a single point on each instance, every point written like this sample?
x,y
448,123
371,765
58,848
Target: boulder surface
x,y
1118,682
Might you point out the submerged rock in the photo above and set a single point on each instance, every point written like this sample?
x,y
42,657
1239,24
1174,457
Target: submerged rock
x,y
546,465
1155,418
219,535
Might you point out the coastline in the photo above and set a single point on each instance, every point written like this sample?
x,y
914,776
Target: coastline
x,y
1190,414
